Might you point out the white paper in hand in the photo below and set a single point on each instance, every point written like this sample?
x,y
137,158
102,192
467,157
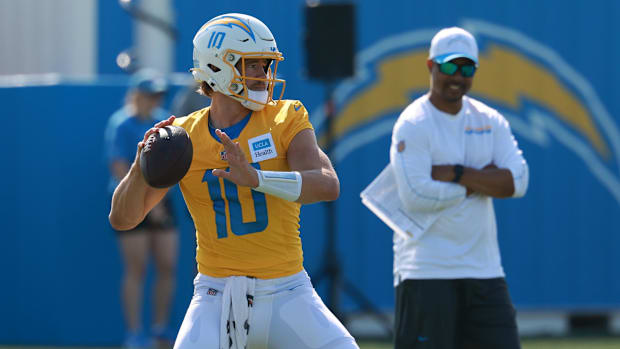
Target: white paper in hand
x,y
381,197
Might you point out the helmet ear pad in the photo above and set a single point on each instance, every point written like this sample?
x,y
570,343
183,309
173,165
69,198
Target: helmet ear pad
x,y
213,70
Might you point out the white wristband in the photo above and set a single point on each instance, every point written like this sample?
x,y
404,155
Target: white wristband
x,y
285,185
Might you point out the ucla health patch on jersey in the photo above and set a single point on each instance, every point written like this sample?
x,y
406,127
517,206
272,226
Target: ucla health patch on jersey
x,y
262,148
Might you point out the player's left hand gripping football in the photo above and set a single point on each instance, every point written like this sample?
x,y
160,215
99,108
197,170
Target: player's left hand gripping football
x,y
241,172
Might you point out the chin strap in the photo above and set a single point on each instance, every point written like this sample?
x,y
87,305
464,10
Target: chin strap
x,y
285,185
259,96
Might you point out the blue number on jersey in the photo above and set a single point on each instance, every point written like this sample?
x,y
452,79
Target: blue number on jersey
x,y
237,226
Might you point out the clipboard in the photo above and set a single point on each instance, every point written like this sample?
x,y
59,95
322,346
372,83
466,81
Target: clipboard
x,y
382,198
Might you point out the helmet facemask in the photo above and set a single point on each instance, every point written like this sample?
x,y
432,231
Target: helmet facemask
x,y
238,89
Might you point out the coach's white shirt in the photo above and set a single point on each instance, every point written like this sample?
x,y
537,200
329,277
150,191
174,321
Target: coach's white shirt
x,y
462,242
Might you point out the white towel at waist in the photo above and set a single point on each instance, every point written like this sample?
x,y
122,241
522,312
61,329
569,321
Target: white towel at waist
x,y
237,301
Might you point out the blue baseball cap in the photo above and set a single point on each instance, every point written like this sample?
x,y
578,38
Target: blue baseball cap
x,y
148,81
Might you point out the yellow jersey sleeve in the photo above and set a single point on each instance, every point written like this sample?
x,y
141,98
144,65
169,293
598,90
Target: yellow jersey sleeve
x,y
299,121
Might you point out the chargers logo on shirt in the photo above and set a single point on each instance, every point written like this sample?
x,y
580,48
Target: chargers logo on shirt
x,y
548,103
262,148
477,130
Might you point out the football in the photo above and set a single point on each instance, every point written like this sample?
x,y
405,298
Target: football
x,y
166,156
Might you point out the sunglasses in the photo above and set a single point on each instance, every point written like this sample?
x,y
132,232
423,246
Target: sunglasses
x,y
449,68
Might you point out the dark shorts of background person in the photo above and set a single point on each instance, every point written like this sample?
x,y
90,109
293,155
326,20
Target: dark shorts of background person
x,y
152,226
455,314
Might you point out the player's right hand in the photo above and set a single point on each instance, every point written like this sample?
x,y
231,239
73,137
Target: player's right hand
x,y
154,129
135,167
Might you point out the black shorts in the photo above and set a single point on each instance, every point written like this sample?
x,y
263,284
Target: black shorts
x,y
149,224
455,314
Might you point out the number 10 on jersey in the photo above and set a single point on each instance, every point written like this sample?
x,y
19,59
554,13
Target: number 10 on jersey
x,y
231,200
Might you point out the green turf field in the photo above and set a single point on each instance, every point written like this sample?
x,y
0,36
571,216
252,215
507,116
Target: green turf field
x,y
539,343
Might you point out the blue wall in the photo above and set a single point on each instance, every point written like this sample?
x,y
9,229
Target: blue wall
x,y
546,66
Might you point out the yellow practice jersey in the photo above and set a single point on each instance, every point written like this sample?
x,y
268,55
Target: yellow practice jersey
x,y
240,231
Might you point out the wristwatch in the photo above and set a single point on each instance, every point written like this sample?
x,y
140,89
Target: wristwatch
x,y
458,173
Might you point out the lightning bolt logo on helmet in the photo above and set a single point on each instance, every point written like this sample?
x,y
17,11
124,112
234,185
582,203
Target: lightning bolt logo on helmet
x,y
221,47
229,21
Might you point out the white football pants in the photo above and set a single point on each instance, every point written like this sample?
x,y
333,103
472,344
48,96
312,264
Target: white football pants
x,y
287,314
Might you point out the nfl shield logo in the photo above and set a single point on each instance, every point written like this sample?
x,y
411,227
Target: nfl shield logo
x,y
223,155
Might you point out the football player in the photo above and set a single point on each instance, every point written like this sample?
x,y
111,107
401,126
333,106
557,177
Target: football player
x,y
256,160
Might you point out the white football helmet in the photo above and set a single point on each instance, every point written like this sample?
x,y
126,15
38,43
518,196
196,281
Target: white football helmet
x,y
224,41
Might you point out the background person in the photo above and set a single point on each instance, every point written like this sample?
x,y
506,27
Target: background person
x,y
156,235
451,155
